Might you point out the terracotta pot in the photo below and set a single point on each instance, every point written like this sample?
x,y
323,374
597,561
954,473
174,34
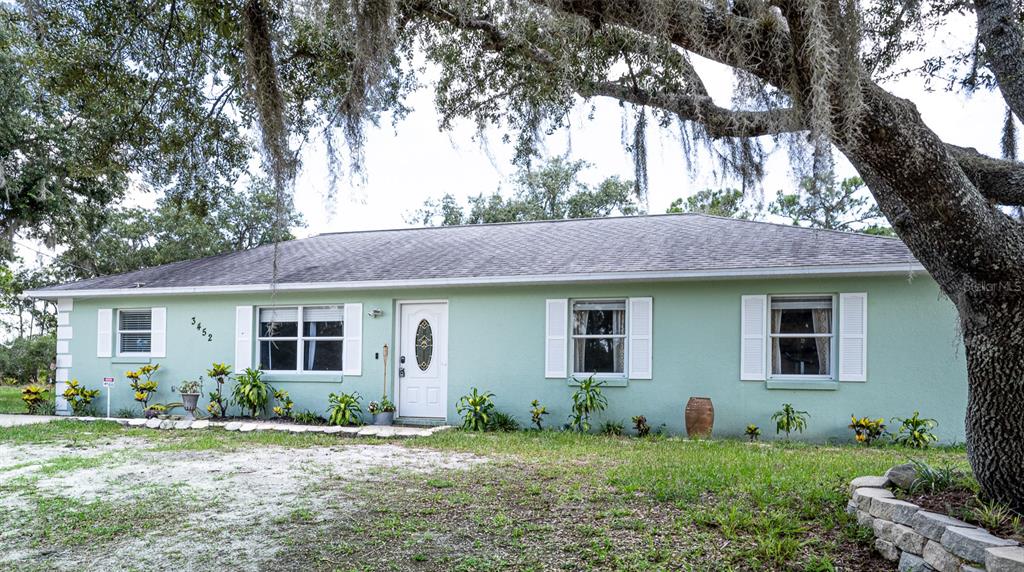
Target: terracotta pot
x,y
700,417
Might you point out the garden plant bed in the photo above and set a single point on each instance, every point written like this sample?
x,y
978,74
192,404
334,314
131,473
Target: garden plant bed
x,y
959,502
96,496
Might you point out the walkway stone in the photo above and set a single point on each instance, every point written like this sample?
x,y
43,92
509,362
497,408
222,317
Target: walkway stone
x,y
298,428
332,429
247,427
233,426
153,423
7,420
183,424
200,424
137,422
167,424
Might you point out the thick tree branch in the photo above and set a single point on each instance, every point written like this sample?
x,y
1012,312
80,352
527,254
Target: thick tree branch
x,y
999,29
999,180
718,121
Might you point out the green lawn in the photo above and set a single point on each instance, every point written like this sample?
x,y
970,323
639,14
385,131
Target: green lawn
x,y
10,399
545,501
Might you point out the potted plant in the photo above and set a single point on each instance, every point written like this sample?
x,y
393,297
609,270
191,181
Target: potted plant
x,y
383,411
190,391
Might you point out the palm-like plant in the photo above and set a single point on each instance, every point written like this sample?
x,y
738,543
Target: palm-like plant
x,y
790,419
345,409
476,409
251,392
587,400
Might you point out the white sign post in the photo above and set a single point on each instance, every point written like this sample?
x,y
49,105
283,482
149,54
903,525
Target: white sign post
x,y
108,382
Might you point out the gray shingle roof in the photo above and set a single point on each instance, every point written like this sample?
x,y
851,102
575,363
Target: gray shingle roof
x,y
683,244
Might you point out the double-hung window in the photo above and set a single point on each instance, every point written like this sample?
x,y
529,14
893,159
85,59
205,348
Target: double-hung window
x,y
301,338
802,337
599,338
134,332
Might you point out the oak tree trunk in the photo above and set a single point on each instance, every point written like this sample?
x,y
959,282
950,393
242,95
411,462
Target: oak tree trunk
x,y
976,255
993,331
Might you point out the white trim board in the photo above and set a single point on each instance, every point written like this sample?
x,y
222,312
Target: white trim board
x,y
739,273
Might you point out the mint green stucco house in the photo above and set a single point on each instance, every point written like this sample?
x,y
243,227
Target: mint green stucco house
x,y
662,308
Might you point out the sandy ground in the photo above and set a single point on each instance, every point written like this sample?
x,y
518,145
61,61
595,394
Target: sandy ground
x,y
233,505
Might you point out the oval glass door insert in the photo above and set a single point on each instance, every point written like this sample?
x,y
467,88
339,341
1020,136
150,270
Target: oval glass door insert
x,y
424,345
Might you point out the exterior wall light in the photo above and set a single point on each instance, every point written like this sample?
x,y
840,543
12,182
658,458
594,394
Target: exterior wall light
x,y
375,313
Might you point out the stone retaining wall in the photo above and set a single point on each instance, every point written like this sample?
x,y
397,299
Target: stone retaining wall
x,y
926,541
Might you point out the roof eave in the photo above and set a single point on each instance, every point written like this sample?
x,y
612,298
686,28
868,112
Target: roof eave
x,y
742,273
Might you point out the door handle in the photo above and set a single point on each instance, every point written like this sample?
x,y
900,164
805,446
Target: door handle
x,y
401,372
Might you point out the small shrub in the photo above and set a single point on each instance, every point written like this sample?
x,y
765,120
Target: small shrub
x,y
586,401
537,413
385,405
866,430
190,386
789,419
47,408
219,373
345,409
309,418
284,406
915,431
476,409
251,393
640,426
612,428
501,421
80,398
752,432
141,381
34,396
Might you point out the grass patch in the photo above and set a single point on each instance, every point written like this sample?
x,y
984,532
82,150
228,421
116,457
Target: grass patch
x,y
10,399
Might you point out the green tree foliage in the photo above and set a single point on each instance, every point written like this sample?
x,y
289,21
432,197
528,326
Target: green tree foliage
x,y
843,205
27,359
20,316
133,238
551,192
718,202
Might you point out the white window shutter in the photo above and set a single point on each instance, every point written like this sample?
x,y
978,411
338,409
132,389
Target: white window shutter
x,y
853,336
158,337
104,332
555,339
753,331
243,338
352,347
641,320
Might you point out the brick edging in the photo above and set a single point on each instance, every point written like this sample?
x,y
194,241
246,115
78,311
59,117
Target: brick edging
x,y
926,541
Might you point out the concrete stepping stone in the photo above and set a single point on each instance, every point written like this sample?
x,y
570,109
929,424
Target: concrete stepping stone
x,y
200,424
298,429
331,430
183,424
167,424
247,427
233,426
136,422
153,423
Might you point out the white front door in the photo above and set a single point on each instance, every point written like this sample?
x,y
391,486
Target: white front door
x,y
423,360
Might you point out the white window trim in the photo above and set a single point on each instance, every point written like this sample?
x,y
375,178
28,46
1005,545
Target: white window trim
x,y
120,331
299,356
573,337
831,347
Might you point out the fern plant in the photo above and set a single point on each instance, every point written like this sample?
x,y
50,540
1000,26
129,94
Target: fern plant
x,y
789,419
345,409
587,400
251,393
476,409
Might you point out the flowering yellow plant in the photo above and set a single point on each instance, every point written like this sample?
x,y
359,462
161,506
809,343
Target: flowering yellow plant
x,y
865,429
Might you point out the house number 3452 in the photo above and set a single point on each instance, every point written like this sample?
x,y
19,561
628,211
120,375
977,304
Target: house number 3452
x,y
202,329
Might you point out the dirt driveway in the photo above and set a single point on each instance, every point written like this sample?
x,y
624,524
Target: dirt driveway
x,y
130,503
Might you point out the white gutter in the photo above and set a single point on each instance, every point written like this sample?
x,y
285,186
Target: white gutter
x,y
747,273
